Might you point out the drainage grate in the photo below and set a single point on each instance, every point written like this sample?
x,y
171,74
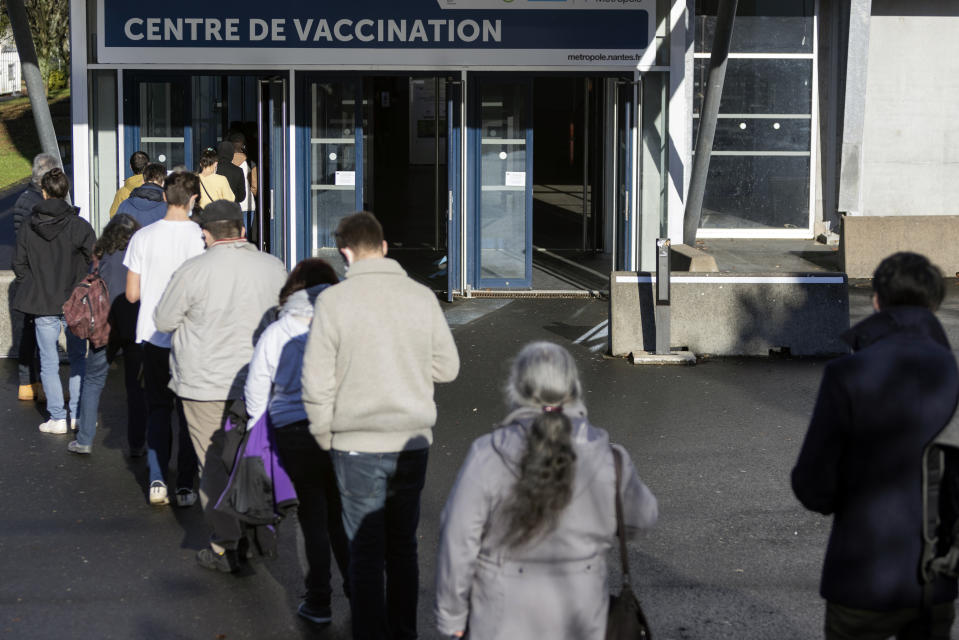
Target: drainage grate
x,y
569,294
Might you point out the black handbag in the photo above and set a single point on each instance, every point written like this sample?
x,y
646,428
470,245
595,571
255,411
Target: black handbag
x,y
626,620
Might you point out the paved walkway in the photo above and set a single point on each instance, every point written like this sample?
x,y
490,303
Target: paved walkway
x,y
734,556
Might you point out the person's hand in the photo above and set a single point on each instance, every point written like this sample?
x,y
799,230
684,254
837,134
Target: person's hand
x,y
458,634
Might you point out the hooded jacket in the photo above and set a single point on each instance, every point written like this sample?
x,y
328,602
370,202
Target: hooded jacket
x,y
145,204
53,253
232,173
273,381
861,460
124,192
555,586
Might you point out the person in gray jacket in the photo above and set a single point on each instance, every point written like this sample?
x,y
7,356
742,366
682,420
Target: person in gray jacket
x,y
378,343
212,305
527,525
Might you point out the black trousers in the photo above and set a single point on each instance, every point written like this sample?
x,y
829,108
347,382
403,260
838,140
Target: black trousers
x,y
27,357
846,623
311,470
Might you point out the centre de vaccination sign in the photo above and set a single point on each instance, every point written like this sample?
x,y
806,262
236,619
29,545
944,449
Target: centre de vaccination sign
x,y
512,33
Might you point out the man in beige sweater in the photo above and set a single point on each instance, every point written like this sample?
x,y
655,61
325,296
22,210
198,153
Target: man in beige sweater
x,y
378,343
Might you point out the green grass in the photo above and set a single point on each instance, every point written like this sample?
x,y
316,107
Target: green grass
x,y
18,134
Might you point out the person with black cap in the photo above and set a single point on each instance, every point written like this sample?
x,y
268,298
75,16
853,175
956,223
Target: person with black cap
x,y
212,306
232,173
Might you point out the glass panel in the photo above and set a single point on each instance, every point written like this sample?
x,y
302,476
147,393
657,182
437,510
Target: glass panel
x,y
207,114
760,86
162,122
759,34
332,158
748,192
760,134
503,180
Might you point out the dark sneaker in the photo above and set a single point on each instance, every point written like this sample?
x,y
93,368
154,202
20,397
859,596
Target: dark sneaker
x,y
316,615
185,497
210,559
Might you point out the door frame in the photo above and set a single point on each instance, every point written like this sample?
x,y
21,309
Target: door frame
x,y
473,187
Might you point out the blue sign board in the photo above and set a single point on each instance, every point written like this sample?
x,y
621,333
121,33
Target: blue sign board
x,y
378,32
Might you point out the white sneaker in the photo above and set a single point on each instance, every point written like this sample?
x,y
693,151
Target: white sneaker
x,y
73,424
54,426
158,494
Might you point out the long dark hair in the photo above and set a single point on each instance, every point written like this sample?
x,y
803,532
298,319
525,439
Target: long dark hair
x,y
543,377
116,236
307,273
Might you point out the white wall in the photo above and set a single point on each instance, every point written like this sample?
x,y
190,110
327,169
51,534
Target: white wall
x,y
911,130
8,57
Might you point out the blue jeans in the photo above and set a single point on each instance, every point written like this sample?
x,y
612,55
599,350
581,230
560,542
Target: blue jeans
x,y
48,331
380,495
94,379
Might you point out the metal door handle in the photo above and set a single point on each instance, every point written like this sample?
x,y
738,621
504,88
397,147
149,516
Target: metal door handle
x,y
271,204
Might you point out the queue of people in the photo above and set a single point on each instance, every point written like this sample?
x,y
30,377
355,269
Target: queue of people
x,y
342,375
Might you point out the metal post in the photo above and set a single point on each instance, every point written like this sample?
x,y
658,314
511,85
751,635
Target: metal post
x,y
31,73
707,118
663,269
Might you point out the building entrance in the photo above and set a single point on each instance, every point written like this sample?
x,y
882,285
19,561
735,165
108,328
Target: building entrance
x,y
174,117
483,182
380,143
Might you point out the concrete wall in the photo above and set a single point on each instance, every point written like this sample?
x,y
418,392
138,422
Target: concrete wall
x,y
911,132
866,240
732,315
9,335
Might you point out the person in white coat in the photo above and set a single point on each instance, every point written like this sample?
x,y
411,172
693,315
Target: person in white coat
x,y
527,525
273,386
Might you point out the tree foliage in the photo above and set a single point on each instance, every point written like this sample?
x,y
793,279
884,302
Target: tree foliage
x,y
50,26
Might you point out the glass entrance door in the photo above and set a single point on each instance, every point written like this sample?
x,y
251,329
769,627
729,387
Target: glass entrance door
x,y
388,144
157,115
274,153
335,158
501,141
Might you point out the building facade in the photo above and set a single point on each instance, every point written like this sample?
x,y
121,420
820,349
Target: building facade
x,y
506,145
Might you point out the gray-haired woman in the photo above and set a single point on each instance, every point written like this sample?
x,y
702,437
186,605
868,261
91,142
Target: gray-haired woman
x,y
528,523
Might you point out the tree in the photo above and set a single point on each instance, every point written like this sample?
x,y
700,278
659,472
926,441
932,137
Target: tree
x,y
50,26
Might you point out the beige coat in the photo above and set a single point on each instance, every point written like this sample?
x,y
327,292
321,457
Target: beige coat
x,y
213,305
378,342
555,587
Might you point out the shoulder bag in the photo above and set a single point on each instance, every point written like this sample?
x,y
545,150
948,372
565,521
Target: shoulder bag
x,y
626,620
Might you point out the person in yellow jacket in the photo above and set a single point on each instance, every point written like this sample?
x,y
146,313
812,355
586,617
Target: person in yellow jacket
x,y
212,186
138,162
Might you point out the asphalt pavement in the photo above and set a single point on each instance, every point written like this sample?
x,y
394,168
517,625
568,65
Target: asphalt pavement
x,y
82,554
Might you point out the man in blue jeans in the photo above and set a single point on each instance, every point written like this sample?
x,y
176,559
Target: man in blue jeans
x,y
378,343
53,253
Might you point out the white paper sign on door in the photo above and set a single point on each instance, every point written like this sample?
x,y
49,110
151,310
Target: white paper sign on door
x,y
515,178
345,179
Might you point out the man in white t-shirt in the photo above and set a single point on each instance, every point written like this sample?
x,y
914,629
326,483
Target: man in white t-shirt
x,y
154,253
